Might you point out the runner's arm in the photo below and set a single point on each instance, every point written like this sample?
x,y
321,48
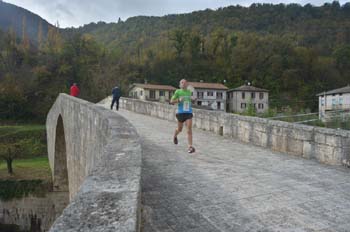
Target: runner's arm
x,y
175,98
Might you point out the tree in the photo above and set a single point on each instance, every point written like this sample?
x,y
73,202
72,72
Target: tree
x,y
22,148
40,35
9,152
179,39
25,39
250,111
342,56
195,45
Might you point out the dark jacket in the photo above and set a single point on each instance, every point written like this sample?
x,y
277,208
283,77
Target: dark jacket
x,y
116,92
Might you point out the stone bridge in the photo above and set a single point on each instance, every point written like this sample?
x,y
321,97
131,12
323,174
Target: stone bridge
x,y
124,174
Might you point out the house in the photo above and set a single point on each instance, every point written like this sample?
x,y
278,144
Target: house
x,y
209,95
238,99
151,92
334,101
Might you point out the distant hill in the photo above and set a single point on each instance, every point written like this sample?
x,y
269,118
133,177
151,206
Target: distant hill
x,y
14,18
316,26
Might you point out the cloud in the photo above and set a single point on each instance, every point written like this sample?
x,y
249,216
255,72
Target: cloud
x,y
76,12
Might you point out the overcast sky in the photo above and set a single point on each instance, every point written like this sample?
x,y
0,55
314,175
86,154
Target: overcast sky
x,y
79,12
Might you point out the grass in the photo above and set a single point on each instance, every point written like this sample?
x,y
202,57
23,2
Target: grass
x,y
32,173
31,176
27,169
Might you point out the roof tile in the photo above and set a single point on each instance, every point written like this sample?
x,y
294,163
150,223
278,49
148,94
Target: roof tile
x,y
152,86
204,85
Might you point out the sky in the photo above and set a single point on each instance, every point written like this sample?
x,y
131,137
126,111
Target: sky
x,y
75,13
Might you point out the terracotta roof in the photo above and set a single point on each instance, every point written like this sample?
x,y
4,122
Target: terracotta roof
x,y
248,88
152,86
203,85
345,89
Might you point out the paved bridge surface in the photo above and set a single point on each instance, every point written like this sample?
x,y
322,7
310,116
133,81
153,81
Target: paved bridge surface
x,y
230,186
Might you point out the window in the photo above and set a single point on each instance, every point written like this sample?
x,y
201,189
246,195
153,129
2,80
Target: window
x,y
219,105
210,94
141,93
261,106
161,93
243,95
261,95
253,95
334,102
230,95
199,103
243,105
219,95
135,94
152,94
254,105
200,94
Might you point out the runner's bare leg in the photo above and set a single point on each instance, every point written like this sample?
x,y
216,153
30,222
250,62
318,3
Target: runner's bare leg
x,y
189,132
179,128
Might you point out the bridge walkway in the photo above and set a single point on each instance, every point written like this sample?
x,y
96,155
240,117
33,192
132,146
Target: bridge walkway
x,y
230,186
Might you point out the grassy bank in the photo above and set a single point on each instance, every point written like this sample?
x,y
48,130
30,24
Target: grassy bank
x,y
27,169
31,171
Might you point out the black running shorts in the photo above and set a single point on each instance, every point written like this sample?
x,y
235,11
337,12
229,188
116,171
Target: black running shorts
x,y
183,117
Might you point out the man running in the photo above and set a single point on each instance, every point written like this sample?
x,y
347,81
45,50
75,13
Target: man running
x,y
183,98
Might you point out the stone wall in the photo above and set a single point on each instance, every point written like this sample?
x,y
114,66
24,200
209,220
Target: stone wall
x,y
33,213
328,146
96,155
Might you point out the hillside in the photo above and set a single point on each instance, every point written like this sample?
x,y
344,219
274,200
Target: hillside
x,y
16,18
316,26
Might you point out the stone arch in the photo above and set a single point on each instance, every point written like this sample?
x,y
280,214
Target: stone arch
x,y
60,175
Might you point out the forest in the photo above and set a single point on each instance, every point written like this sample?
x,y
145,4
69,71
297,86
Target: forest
x,y
294,51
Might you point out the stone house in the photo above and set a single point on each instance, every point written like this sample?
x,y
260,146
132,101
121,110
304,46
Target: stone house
x,y
209,95
238,99
151,92
334,102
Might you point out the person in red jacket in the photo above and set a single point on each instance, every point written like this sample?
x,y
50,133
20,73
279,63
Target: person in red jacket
x,y
74,90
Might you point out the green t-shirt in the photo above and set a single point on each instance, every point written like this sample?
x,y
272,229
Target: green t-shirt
x,y
185,105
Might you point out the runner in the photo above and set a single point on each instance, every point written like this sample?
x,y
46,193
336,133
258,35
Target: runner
x,y
183,98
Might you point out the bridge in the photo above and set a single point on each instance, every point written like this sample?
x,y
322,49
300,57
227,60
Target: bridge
x,y
123,172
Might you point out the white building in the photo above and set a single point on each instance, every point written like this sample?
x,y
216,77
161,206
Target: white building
x,y
151,92
333,102
209,95
238,99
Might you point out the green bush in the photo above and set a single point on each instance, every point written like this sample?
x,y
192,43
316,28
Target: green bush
x,y
10,228
14,133
271,112
31,138
250,111
11,189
